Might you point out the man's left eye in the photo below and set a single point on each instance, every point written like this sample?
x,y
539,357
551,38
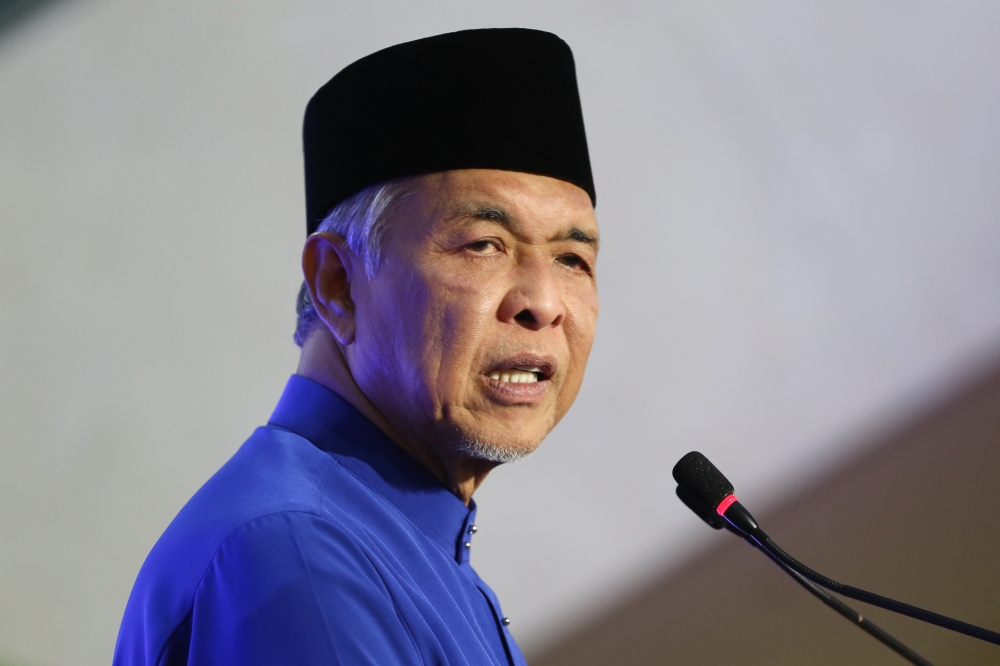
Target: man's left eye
x,y
483,246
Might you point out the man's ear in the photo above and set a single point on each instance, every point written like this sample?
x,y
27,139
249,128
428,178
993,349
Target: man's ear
x,y
329,266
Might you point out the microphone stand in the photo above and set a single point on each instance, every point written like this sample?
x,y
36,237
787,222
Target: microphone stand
x,y
718,522
744,524
849,613
776,553
709,494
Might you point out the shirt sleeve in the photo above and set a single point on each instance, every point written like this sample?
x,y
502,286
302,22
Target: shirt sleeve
x,y
292,588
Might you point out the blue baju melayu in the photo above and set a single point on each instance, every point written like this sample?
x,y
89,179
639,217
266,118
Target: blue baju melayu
x,y
319,542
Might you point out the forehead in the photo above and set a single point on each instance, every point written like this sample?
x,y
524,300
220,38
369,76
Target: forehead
x,y
535,205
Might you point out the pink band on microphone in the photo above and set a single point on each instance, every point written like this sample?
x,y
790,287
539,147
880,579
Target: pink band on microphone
x,y
727,502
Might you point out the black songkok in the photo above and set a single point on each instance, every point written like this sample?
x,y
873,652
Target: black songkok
x,y
477,99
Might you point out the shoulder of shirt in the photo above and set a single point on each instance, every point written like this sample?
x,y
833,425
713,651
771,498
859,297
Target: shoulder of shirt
x,y
274,472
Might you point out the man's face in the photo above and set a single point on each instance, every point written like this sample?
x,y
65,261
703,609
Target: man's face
x,y
475,331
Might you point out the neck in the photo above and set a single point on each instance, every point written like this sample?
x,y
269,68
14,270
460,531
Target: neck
x,y
323,361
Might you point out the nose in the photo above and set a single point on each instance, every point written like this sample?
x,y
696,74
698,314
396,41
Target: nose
x,y
534,300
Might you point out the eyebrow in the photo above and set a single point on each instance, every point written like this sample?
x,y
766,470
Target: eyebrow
x,y
490,213
580,236
474,211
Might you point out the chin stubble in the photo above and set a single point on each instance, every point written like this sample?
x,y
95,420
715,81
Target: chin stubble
x,y
498,452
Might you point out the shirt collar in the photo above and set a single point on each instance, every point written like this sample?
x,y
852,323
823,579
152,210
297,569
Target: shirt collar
x,y
316,413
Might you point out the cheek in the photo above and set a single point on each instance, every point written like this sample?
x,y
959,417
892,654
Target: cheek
x,y
458,332
431,323
581,323
390,322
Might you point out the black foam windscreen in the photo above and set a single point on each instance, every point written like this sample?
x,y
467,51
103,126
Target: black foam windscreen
x,y
706,513
701,479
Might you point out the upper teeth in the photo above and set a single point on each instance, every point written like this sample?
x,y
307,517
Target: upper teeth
x,y
517,376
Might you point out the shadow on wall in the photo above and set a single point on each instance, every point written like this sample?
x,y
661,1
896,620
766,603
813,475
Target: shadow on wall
x,y
913,518
11,13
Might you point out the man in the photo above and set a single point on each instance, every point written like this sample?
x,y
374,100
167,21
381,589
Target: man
x,y
447,313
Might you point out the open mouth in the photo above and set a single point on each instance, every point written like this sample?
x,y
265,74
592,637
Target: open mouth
x,y
518,375
523,370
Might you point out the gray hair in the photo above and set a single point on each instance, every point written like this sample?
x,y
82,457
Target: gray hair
x,y
361,221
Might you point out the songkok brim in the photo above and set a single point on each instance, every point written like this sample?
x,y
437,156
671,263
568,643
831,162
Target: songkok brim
x,y
477,99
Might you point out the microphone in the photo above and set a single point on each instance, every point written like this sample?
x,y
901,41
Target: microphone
x,y
710,495
706,488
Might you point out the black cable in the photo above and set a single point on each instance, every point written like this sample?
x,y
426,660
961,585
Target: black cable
x,y
850,592
846,611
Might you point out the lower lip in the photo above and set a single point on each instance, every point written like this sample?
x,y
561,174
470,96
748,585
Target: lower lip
x,y
517,392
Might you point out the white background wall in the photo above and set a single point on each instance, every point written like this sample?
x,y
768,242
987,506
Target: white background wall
x,y
799,205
